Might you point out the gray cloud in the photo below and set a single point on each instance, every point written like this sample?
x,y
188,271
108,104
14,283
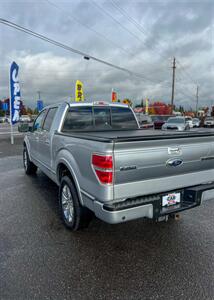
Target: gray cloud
x,y
183,29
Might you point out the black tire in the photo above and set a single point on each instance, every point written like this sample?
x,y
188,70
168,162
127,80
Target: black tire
x,y
29,167
73,214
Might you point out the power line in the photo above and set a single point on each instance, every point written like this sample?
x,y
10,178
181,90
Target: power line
x,y
89,28
142,30
68,48
187,73
72,17
104,11
137,25
186,95
179,82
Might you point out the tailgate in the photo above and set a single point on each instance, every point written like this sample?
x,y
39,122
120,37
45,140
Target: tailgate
x,y
153,166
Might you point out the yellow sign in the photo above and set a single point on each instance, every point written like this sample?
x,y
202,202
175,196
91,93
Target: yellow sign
x,y
79,96
147,106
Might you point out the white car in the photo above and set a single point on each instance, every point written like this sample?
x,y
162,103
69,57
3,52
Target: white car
x,y
196,122
189,121
2,119
176,123
209,122
25,119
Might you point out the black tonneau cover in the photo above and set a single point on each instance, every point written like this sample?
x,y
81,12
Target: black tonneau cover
x,y
135,135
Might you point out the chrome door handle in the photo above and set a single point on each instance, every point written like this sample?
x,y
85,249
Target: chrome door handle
x,y
47,142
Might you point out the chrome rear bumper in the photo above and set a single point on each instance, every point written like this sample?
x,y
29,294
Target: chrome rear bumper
x,y
133,208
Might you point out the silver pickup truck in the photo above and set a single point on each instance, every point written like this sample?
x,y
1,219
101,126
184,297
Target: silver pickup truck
x,y
106,165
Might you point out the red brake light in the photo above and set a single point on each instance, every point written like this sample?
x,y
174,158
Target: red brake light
x,y
104,177
103,162
103,167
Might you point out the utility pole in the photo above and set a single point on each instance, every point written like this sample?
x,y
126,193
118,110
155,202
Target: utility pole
x,y
173,84
197,99
39,94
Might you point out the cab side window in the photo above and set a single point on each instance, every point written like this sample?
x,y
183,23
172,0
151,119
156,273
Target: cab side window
x,y
37,126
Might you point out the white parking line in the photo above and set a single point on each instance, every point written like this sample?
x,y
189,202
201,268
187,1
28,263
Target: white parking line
x,y
15,133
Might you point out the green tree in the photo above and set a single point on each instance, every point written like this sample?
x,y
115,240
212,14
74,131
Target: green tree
x,y
2,113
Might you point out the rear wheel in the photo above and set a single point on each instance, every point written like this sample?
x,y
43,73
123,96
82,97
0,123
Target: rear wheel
x,y
29,167
73,214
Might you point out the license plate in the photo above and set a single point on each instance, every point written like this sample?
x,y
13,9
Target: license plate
x,y
171,199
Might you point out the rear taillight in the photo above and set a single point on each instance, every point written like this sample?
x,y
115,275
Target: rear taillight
x,y
103,167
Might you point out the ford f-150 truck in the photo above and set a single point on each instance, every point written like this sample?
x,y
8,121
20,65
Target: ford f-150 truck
x,y
106,165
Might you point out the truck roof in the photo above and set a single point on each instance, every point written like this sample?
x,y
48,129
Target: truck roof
x,y
98,103
94,103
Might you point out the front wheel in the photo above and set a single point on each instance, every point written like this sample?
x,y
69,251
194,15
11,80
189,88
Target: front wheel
x,y
73,214
29,167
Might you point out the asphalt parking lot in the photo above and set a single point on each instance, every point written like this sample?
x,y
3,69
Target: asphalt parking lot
x,y
40,259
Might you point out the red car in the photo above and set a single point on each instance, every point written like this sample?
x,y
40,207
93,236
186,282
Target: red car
x,y
159,120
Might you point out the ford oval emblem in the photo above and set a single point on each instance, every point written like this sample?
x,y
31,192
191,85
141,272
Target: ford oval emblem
x,y
174,162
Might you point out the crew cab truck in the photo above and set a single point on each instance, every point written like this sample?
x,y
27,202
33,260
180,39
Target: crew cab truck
x,y
106,165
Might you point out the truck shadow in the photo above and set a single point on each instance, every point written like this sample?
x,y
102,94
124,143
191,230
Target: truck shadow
x,y
138,257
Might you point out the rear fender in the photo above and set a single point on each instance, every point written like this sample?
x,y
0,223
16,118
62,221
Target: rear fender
x,y
66,158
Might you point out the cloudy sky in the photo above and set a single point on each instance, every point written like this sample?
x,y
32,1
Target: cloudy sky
x,y
142,36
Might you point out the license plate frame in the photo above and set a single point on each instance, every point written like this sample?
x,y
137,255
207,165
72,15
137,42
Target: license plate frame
x,y
171,199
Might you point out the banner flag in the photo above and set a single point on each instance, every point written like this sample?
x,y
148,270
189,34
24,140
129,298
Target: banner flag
x,y
79,96
113,96
15,94
147,106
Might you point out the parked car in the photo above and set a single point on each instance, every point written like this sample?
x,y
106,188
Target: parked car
x,y
105,165
33,117
189,121
176,123
196,122
159,120
25,119
2,119
8,119
144,121
209,122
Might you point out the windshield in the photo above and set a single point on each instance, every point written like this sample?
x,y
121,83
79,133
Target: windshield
x,y
160,118
209,119
99,118
175,120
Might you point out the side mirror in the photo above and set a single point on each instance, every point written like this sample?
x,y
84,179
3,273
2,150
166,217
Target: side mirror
x,y
24,127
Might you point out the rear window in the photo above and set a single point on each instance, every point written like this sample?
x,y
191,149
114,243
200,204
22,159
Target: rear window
x,y
102,117
99,118
78,118
49,118
123,118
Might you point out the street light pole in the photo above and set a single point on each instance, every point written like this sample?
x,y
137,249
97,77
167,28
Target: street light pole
x,y
197,99
39,94
173,85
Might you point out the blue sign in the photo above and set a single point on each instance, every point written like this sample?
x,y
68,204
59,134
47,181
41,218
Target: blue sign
x,y
15,95
40,105
4,106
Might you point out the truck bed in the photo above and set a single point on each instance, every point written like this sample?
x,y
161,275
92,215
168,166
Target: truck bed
x,y
136,135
